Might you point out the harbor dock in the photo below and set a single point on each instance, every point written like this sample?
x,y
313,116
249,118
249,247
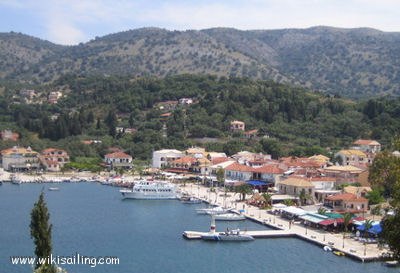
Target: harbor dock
x,y
283,228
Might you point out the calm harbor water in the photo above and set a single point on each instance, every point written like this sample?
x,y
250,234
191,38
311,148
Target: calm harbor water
x,y
92,220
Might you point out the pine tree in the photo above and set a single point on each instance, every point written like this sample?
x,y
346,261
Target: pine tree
x,y
41,233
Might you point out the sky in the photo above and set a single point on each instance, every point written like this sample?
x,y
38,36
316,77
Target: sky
x,y
70,22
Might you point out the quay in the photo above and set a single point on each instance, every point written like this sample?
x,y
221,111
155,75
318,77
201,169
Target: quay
x,y
283,228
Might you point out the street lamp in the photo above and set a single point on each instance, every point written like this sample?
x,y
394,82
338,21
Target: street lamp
x,y
305,223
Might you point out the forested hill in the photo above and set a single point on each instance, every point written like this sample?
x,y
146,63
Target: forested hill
x,y
297,121
350,62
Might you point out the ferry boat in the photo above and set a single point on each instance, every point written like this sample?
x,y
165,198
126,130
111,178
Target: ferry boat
x,y
144,189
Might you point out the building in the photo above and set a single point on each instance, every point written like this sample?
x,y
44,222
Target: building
x,y
9,135
162,158
118,160
367,145
186,101
343,174
54,97
352,157
295,185
324,187
236,171
20,159
269,173
54,159
346,202
251,134
237,126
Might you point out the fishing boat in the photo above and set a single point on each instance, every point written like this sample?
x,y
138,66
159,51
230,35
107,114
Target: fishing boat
x,y
229,217
144,189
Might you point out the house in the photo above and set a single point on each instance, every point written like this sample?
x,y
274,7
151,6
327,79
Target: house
x,y
367,145
321,159
118,160
236,171
20,159
9,135
358,191
346,202
237,125
168,105
351,157
251,134
324,187
162,158
249,158
54,96
186,101
270,173
183,163
54,159
295,185
343,174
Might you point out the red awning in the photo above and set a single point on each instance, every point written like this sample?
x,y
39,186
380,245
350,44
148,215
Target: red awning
x,y
328,222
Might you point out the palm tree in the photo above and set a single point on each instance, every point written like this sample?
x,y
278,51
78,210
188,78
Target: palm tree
x,y
322,211
268,199
367,227
243,190
346,221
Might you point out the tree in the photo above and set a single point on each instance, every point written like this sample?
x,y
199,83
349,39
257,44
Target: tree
x,y
304,197
243,190
391,232
322,211
221,176
41,233
268,199
375,197
346,221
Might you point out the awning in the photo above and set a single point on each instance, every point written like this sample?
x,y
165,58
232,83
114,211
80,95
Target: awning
x,y
375,229
255,183
313,218
294,211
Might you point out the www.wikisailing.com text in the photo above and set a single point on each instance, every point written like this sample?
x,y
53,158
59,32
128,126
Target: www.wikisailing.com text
x,y
75,259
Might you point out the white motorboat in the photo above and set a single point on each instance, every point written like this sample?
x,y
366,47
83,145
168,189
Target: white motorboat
x,y
144,189
14,179
191,200
54,189
232,235
212,211
229,217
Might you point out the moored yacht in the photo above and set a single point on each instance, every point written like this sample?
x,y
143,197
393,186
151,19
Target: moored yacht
x,y
144,189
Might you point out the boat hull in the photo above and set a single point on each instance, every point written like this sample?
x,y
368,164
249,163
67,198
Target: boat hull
x,y
143,196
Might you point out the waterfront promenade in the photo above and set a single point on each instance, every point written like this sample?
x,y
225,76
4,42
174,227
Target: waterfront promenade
x,y
352,248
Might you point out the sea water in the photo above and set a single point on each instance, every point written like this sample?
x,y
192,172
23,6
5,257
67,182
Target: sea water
x,y
92,220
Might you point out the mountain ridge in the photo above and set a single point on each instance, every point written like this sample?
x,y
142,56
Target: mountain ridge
x,y
354,62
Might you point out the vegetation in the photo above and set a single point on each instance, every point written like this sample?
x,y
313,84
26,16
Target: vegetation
x,y
243,190
355,63
41,233
293,118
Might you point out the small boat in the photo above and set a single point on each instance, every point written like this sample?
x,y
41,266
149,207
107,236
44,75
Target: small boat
x,y
327,248
212,211
191,200
392,263
54,189
232,235
14,179
229,217
338,253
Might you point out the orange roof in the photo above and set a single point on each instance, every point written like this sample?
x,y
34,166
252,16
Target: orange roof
x,y
323,178
271,168
165,115
239,168
118,155
346,197
184,160
49,150
303,162
251,132
217,160
366,142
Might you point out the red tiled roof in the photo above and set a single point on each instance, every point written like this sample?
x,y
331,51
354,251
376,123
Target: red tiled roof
x,y
303,162
184,160
323,178
251,132
274,169
166,115
217,160
240,168
366,142
118,155
346,197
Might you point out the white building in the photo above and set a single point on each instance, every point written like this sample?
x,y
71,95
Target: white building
x,y
20,159
162,158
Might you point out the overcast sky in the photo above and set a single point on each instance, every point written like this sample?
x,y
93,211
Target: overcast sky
x,y
74,21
